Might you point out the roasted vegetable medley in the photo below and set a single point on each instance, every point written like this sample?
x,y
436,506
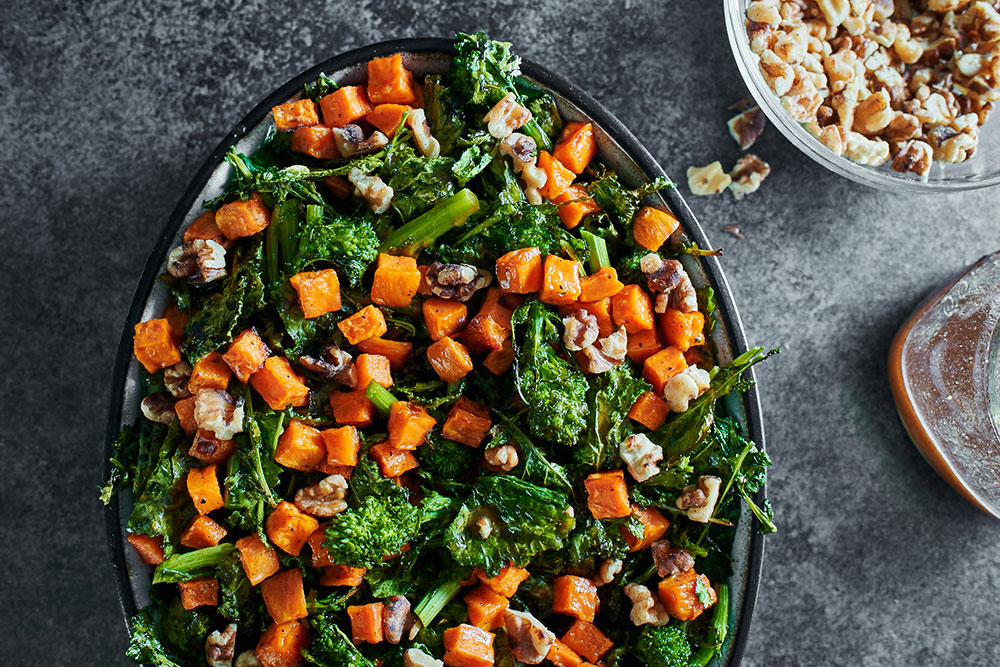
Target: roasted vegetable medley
x,y
434,388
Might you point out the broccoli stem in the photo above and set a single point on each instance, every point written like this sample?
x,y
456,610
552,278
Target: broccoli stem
x,y
717,631
380,396
423,230
598,247
435,600
181,567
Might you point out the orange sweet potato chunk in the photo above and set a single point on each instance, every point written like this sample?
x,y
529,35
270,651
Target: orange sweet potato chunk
x,y
682,330
209,372
662,366
345,105
486,607
243,218
259,560
155,346
484,334
557,176
300,447
468,646
651,227
199,592
409,425
366,623
649,410
387,117
560,281
373,368
352,408
561,655
600,285
319,292
342,575
390,82
607,494
574,204
150,549
450,359
288,528
520,271
362,325
204,227
184,409
654,527
285,596
396,281
391,461
468,422
576,146
293,115
633,309
203,487
500,305
202,532
575,596
506,581
279,385
444,317
586,639
246,355
499,361
317,141
679,594
342,445
642,345
396,351
281,644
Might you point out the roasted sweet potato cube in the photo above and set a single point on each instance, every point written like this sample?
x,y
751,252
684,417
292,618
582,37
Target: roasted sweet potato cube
x,y
279,385
206,447
450,359
246,355
484,334
320,554
633,309
175,319
576,146
506,581
499,361
202,592
651,227
561,655
281,644
682,330
345,105
409,425
468,646
557,176
600,285
486,607
601,310
373,368
444,317
150,549
662,366
319,292
238,219
184,409
203,487
288,528
155,346
649,410
293,115
396,281
300,447
259,560
317,141
366,623
342,445
468,422
520,271
679,594
362,325
575,596
607,494
654,527
342,575
643,344
285,596
500,305
560,281
586,639
202,532
391,461
352,408
390,82
204,227
209,372
396,351
387,117
574,204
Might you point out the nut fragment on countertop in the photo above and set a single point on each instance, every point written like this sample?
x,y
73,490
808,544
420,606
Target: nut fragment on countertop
x,y
745,127
749,172
708,180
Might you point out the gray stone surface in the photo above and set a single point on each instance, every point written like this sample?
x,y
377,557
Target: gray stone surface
x,y
108,107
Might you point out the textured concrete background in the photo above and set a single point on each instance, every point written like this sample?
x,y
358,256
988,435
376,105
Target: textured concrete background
x,y
108,108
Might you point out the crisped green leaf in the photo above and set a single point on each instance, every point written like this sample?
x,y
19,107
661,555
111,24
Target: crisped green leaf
x,y
146,645
609,399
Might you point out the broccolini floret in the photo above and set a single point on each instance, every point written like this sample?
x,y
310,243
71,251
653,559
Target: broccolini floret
x,y
665,646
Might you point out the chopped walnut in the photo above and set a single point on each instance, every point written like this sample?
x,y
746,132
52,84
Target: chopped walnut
x,y
199,261
581,330
529,640
640,455
351,142
158,408
333,366
777,73
217,411
914,156
671,283
456,281
521,149
484,527
699,500
902,127
503,457
745,127
614,346
691,497
861,149
372,189
506,116
646,609
414,657
749,172
684,387
248,659
708,180
220,647
325,498
873,113
607,572
764,11
428,146
670,560
175,379
396,618
956,149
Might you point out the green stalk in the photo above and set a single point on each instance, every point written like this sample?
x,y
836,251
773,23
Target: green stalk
x,y
423,230
435,600
181,567
380,396
718,629
598,247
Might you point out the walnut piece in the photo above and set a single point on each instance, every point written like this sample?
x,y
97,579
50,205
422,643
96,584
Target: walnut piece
x,y
220,647
749,172
217,411
175,379
456,281
396,618
505,117
428,146
581,330
529,640
607,572
158,408
414,657
914,156
708,180
646,610
351,142
325,498
745,127
333,366
200,261
502,457
248,659
640,455
670,560
684,387
670,282
699,500
372,189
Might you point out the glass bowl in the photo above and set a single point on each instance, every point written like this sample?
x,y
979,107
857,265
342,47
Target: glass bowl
x,y
980,171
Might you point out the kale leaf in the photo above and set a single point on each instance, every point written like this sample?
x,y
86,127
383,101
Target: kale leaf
x,y
146,645
321,87
124,462
253,475
444,113
444,460
417,182
234,590
609,399
185,629
619,202
330,647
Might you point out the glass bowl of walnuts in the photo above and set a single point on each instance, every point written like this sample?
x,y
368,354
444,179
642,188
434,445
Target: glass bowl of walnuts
x,y
895,94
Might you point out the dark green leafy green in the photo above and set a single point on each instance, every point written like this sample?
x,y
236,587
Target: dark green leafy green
x,y
193,564
609,399
321,87
330,647
665,646
146,645
444,113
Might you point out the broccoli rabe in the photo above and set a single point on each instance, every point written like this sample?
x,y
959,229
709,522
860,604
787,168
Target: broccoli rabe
x,y
665,646
330,647
146,645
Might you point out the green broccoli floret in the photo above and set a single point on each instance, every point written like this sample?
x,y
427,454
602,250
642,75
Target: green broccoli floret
x,y
349,243
379,526
666,646
445,460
